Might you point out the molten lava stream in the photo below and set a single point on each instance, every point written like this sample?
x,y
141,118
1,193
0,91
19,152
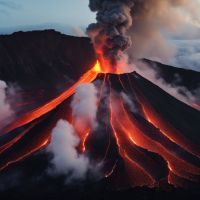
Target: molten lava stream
x,y
36,136
31,149
176,163
166,128
11,142
89,76
139,176
134,131
85,130
83,135
173,134
25,155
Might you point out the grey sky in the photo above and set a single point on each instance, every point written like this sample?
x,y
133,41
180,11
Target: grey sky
x,y
51,13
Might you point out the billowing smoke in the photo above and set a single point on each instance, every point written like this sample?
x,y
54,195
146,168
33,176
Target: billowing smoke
x,y
66,160
109,33
181,93
154,20
84,107
150,22
5,109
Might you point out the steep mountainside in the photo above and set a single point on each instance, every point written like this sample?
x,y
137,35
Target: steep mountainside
x,y
43,56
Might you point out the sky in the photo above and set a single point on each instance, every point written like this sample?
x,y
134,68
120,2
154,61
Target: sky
x,y
25,14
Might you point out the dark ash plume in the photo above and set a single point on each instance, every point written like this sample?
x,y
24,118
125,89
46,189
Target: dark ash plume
x,y
109,33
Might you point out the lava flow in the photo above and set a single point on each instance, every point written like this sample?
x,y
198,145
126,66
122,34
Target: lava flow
x,y
29,117
129,131
152,150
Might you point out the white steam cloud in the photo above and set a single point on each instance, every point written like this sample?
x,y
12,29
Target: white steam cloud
x,y
84,107
5,109
66,160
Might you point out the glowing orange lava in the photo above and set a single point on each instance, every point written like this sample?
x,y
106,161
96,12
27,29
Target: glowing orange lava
x,y
97,67
88,77
83,135
127,148
170,132
145,145
103,66
27,153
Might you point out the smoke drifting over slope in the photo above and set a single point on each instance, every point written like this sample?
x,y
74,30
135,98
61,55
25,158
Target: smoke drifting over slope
x,y
181,93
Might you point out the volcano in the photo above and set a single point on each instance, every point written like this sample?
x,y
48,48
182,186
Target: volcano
x,y
145,137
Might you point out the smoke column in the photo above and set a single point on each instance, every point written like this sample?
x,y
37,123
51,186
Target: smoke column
x,y
145,21
109,33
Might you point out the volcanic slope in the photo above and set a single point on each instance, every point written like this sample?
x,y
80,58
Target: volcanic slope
x,y
145,136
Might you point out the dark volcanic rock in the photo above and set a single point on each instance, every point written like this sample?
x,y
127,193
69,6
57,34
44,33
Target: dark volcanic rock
x,y
27,183
176,76
43,57
183,117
